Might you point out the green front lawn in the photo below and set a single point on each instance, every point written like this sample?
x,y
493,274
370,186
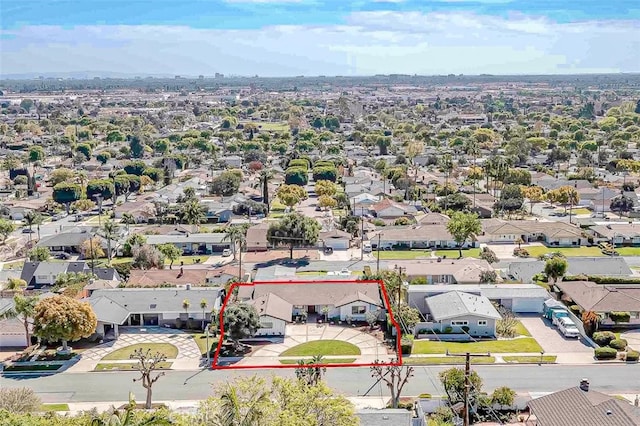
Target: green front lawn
x,y
167,349
16,264
535,251
454,254
127,366
521,330
269,126
55,407
322,347
447,360
324,361
402,254
188,260
201,341
546,359
521,345
628,251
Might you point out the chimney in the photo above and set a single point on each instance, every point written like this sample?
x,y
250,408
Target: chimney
x,y
584,385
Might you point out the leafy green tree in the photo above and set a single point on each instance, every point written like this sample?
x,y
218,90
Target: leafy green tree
x,y
23,309
171,252
310,372
39,254
110,231
132,241
6,228
290,195
296,176
84,149
102,187
36,153
72,282
241,321
325,187
66,193
294,230
103,157
453,382
503,396
555,268
226,184
462,226
147,257
135,167
63,318
511,199
325,173
61,174
136,146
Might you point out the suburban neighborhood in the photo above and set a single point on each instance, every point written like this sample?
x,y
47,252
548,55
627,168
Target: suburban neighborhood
x,y
379,249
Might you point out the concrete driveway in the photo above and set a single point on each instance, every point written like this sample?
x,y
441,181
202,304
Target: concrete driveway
x,y
633,339
550,338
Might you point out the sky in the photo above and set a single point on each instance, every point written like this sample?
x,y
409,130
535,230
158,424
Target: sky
x,y
319,37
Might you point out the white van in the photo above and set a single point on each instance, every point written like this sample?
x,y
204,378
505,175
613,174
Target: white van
x,y
568,328
366,247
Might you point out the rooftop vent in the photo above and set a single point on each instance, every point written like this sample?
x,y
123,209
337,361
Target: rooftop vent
x,y
584,385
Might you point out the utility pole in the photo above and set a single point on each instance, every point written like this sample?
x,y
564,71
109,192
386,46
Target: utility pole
x,y
467,382
378,261
400,270
361,233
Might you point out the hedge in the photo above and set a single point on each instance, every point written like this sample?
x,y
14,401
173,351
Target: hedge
x,y
620,316
619,344
603,338
633,356
406,345
602,280
605,353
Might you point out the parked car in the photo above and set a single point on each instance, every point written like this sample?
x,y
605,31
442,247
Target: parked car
x,y
366,247
226,252
27,231
568,328
557,314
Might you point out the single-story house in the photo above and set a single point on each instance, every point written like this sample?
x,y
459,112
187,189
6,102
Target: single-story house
x,y
617,234
603,298
559,234
455,310
432,218
524,270
256,239
519,298
483,204
581,406
420,236
389,209
150,307
467,270
233,161
70,241
336,239
279,303
205,243
42,274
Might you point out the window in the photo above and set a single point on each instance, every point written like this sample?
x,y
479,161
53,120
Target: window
x,y
459,322
482,323
266,324
358,310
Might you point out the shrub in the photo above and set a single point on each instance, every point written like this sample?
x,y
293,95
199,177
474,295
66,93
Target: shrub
x,y
406,345
619,344
620,316
448,330
632,356
19,400
602,338
575,309
179,323
605,353
520,252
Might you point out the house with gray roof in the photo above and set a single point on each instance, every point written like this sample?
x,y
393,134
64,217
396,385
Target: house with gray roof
x,y
151,306
459,312
204,243
524,270
44,274
581,406
278,304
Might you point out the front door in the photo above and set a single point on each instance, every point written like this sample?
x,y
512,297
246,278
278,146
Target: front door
x,y
311,309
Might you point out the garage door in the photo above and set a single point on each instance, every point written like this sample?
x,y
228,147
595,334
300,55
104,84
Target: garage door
x,y
527,305
12,339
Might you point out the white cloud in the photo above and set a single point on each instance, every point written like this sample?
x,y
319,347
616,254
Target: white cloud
x,y
368,43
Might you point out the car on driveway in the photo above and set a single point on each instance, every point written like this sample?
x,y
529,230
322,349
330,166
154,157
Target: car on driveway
x,y
226,252
568,328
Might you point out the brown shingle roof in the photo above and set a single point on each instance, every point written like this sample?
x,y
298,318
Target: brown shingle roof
x,y
602,298
313,293
575,406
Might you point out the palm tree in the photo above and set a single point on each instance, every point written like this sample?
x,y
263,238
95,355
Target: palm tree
x,y
32,218
109,232
203,306
193,213
472,148
238,410
23,309
446,164
185,306
235,234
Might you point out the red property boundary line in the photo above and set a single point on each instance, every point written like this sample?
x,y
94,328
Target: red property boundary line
x,y
397,363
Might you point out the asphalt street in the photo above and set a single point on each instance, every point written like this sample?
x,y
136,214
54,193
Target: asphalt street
x,y
194,385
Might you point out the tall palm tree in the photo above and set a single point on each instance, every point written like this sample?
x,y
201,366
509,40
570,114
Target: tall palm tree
x,y
203,306
265,175
32,218
23,309
193,212
473,149
446,164
109,232
235,234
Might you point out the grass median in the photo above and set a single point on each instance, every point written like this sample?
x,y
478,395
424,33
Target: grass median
x,y
520,345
